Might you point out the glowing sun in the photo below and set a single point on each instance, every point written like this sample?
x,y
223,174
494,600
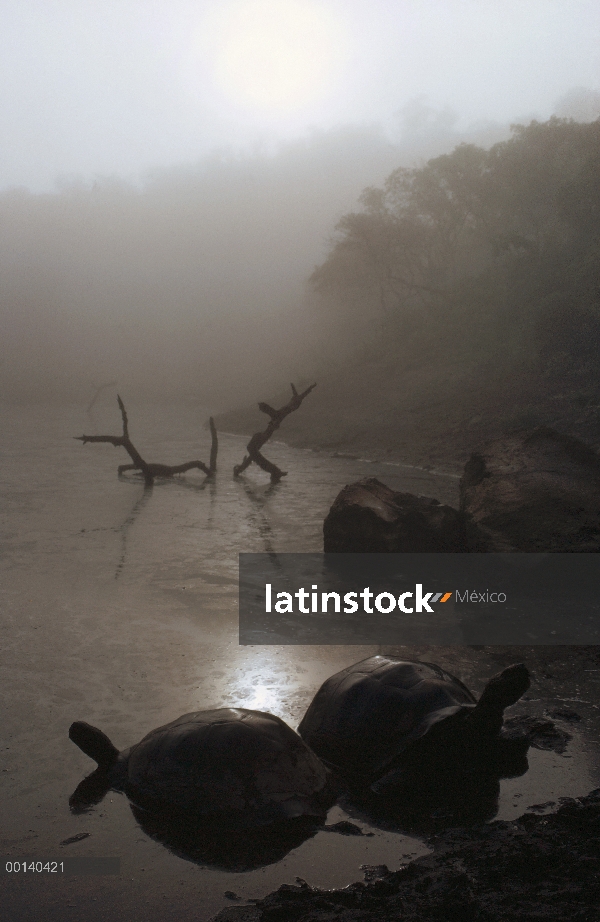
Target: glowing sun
x,y
277,54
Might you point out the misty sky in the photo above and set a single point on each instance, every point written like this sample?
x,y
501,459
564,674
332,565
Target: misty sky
x,y
102,87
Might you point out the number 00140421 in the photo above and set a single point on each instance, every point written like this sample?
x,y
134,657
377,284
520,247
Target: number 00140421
x,y
35,867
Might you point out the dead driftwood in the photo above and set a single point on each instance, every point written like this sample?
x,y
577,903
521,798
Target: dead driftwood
x,y
259,438
150,471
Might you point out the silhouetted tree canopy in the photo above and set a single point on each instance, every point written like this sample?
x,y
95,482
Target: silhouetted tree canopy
x,y
481,251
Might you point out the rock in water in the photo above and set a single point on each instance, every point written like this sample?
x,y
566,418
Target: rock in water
x,y
534,490
369,517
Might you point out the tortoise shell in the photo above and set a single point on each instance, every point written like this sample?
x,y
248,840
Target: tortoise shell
x,y
365,715
246,766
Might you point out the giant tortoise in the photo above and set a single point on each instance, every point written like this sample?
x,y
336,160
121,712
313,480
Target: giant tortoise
x,y
230,765
384,712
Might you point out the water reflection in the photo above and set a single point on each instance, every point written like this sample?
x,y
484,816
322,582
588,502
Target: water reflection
x,y
262,698
211,844
257,516
142,500
130,671
423,798
226,849
90,792
123,529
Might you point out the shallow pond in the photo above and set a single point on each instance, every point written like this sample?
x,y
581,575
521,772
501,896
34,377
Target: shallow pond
x,y
119,607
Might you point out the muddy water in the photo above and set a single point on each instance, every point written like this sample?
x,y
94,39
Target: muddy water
x,y
119,607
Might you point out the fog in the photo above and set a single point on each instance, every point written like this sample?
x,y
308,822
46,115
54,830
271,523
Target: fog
x,y
122,86
163,210
194,284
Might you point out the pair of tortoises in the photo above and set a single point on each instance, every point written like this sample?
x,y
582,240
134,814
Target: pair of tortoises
x,y
371,720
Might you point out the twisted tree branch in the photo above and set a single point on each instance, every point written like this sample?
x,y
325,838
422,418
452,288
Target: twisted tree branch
x,y
150,471
259,438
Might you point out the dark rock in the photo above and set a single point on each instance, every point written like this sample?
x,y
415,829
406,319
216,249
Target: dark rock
x,y
539,732
567,714
373,872
240,914
369,517
78,838
534,490
344,828
541,808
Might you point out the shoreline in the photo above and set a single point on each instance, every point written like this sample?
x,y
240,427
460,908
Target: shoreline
x,y
429,419
365,457
495,873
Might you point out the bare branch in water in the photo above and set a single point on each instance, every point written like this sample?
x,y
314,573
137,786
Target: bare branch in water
x,y
150,471
258,439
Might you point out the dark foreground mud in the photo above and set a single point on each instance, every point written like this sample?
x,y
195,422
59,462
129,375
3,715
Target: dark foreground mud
x,y
535,868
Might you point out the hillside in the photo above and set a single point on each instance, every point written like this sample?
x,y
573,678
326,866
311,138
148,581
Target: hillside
x,y
427,417
470,288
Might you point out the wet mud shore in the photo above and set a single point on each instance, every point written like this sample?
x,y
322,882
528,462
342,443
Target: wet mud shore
x,y
535,868
430,417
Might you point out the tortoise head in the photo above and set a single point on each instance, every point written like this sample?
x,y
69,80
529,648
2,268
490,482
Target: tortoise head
x,y
94,743
500,692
